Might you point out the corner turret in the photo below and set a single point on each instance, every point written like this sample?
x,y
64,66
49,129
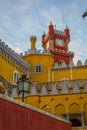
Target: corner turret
x,y
43,39
51,29
67,34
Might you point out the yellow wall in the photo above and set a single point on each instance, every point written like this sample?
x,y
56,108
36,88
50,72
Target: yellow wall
x,y
57,75
60,104
7,69
49,75
45,60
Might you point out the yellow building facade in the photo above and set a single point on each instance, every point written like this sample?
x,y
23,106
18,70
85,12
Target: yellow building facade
x,y
61,91
57,85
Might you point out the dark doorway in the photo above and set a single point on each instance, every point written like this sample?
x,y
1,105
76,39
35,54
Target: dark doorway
x,y
75,123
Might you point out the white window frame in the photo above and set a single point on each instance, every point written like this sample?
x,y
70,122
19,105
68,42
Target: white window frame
x,y
15,77
38,68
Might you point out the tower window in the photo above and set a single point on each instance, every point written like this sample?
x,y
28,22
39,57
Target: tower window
x,y
15,77
38,68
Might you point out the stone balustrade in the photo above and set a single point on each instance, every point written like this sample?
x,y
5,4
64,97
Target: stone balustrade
x,y
53,88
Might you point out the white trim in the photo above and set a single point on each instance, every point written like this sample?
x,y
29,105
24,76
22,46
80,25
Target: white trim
x,y
15,77
38,68
64,79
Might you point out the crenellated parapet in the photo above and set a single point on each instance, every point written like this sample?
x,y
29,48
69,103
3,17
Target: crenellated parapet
x,y
12,57
64,65
59,88
64,87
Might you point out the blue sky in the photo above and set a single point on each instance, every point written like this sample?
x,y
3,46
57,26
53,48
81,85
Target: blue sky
x,y
19,19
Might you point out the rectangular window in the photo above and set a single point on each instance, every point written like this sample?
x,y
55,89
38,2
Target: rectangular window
x,y
38,68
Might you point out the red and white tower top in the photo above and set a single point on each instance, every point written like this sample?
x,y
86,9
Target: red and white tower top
x,y
56,42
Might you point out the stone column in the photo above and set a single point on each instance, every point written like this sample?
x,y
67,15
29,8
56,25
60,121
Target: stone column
x,y
82,118
67,116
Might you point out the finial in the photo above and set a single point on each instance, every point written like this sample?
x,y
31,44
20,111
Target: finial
x,y
43,32
50,22
33,37
55,27
66,27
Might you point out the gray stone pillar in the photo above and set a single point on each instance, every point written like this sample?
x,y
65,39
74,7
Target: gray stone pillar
x,y
67,116
82,118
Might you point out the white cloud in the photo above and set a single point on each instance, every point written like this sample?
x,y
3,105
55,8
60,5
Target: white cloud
x,y
79,50
54,14
20,19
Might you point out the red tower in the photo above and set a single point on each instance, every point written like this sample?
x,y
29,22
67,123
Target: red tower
x,y
56,42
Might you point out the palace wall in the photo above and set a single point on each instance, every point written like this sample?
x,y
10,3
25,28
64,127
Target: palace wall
x,y
17,116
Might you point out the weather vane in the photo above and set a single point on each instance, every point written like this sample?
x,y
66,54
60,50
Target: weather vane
x,y
84,14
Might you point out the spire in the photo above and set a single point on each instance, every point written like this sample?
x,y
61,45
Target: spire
x,y
51,23
43,32
51,28
55,27
66,27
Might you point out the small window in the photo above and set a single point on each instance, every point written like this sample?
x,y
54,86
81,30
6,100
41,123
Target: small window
x,y
38,68
15,77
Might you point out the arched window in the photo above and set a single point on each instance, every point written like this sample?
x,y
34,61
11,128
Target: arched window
x,y
15,77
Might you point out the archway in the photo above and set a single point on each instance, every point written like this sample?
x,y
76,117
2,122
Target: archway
x,y
74,108
75,122
60,110
46,108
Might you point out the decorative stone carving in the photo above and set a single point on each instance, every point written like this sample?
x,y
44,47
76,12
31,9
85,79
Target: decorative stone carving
x,y
54,90
76,88
14,92
65,89
44,90
2,88
55,66
79,63
63,65
85,62
85,87
33,90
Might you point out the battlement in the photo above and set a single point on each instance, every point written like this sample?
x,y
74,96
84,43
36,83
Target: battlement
x,y
12,56
64,65
62,87
60,33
